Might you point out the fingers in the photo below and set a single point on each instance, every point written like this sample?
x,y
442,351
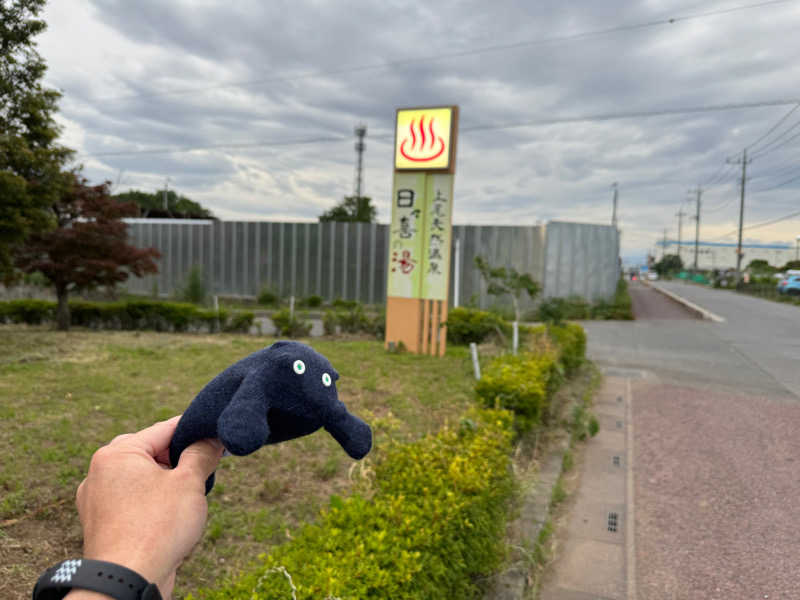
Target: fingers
x,y
154,439
201,457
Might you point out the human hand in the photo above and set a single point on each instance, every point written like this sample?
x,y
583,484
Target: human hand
x,y
138,512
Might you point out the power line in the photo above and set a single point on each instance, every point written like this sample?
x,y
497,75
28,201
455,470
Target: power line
x,y
488,127
774,127
771,148
780,185
764,224
486,49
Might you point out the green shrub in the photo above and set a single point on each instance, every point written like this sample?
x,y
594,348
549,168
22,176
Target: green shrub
x,y
32,312
467,325
240,322
570,339
313,301
289,325
433,527
620,308
267,297
195,290
339,303
353,320
557,310
522,384
329,322
131,314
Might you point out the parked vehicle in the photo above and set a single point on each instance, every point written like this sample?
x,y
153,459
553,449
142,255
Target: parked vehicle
x,y
790,285
652,276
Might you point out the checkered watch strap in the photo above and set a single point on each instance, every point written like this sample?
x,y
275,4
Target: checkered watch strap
x,y
95,575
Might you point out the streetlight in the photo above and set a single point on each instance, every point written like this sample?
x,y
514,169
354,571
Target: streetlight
x,y
797,248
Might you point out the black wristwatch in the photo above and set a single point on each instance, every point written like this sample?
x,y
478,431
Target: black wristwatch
x,y
94,575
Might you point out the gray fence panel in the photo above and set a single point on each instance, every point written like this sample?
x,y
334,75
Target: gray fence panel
x,y
581,260
350,260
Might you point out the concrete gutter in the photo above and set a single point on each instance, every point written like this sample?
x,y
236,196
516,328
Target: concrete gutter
x,y
690,306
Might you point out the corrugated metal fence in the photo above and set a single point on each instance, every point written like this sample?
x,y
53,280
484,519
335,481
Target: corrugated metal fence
x,y
348,260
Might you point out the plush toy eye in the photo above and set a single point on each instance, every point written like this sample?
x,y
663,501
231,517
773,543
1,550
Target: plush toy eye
x,y
299,367
326,380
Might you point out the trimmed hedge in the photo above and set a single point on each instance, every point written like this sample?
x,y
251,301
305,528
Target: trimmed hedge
x,y
434,525
467,325
133,314
523,384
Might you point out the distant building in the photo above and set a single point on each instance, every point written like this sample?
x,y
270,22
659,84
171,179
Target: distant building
x,y
722,255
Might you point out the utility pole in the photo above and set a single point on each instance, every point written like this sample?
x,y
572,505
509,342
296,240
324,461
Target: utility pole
x,y
680,214
615,187
664,245
361,131
166,188
742,161
699,192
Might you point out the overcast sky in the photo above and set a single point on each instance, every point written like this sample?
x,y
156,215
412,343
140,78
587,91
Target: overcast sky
x,y
143,77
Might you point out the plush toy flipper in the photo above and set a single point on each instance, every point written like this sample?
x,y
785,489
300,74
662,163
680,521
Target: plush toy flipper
x,y
242,427
353,434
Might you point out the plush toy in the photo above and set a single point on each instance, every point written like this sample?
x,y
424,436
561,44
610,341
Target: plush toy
x,y
276,394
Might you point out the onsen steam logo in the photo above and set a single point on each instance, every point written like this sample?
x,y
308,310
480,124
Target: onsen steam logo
x,y
423,148
423,138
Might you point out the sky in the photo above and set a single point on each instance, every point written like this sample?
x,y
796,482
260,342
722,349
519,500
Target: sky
x,y
248,107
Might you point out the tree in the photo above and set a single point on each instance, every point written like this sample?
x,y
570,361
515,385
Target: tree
x,y
792,264
670,263
759,265
351,209
152,205
502,281
31,162
88,246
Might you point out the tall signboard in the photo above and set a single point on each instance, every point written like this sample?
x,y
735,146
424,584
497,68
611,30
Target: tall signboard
x,y
421,230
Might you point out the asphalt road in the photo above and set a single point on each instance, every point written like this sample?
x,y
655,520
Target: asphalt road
x,y
650,304
715,415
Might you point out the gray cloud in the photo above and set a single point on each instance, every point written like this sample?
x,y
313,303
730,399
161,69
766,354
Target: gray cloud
x,y
123,56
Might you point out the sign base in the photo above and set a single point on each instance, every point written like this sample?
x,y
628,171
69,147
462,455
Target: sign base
x,y
418,324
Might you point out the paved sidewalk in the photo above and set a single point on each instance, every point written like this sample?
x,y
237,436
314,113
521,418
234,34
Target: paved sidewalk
x,y
593,562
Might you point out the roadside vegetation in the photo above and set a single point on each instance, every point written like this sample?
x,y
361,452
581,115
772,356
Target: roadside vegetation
x,y
64,395
438,484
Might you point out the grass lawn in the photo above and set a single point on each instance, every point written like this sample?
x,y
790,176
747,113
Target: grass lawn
x,y
62,395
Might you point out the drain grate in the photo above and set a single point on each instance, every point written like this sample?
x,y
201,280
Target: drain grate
x,y
612,522
619,398
615,460
619,424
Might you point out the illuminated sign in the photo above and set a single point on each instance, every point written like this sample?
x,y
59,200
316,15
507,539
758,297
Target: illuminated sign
x,y
423,139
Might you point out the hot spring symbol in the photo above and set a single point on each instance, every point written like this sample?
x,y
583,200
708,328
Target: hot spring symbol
x,y
424,144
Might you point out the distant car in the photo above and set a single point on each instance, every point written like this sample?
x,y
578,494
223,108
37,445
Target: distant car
x,y
790,286
652,276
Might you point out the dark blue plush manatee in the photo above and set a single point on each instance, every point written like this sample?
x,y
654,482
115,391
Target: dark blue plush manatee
x,y
276,394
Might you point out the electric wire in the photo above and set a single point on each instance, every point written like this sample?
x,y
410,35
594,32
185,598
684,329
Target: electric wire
x,y
774,127
443,56
771,148
763,224
474,128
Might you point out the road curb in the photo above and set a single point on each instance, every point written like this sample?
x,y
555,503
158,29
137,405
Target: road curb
x,y
691,306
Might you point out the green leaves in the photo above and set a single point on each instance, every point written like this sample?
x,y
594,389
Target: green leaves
x,y
501,281
433,525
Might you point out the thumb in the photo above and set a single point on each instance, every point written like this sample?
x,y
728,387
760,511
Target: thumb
x,y
201,457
